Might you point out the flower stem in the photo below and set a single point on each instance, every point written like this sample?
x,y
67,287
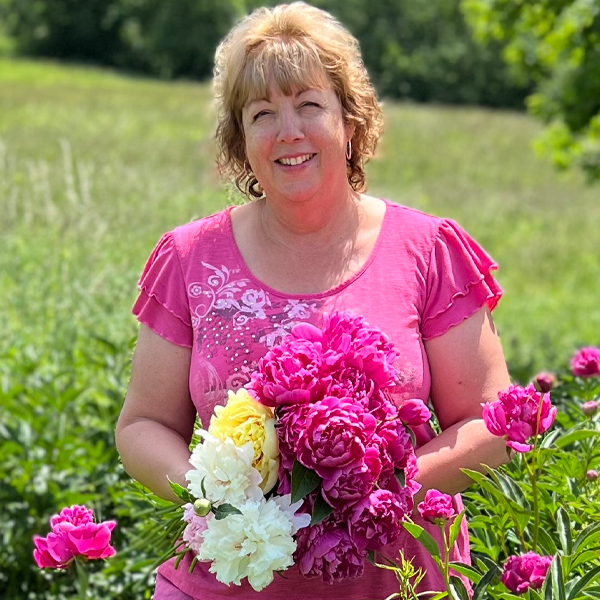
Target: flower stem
x,y
442,527
532,472
81,581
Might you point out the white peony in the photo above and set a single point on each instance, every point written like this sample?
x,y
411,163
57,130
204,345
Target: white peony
x,y
298,520
226,470
253,544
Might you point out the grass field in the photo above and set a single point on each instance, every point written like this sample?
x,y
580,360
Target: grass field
x,y
94,166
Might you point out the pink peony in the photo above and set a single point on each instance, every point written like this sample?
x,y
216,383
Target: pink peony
x,y
413,412
349,486
73,534
395,445
586,362
327,550
351,342
591,475
527,571
518,414
351,382
335,436
76,515
291,421
436,507
589,408
376,520
196,526
290,373
544,382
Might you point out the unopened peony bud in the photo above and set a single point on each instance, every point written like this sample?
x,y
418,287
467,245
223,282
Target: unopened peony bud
x,y
591,475
590,408
202,507
544,382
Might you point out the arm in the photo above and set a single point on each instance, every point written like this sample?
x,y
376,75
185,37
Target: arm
x,y
467,368
156,423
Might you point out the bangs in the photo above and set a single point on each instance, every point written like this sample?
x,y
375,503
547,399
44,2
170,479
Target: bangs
x,y
291,64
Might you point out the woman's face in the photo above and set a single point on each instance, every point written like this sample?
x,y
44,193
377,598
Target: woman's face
x,y
296,144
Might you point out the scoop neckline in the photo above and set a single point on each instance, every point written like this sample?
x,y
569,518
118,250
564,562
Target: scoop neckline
x,y
317,295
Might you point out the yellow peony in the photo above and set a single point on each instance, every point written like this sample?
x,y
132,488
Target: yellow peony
x,y
244,420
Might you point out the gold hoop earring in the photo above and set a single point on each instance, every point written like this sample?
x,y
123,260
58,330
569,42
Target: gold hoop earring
x,y
349,150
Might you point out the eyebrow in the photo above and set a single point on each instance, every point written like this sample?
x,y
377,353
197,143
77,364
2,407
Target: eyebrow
x,y
266,98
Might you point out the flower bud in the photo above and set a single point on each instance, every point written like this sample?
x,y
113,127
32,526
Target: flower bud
x,y
589,408
591,475
544,382
202,507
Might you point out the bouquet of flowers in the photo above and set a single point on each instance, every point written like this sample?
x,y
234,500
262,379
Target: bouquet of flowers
x,y
312,464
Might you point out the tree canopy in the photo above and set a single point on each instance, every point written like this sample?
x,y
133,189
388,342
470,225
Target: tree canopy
x,y
557,44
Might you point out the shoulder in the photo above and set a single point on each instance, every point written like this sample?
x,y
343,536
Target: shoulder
x,y
413,229
201,233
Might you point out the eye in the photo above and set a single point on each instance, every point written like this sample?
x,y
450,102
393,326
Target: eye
x,y
259,114
309,103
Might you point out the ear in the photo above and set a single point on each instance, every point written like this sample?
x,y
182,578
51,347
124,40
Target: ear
x,y
350,129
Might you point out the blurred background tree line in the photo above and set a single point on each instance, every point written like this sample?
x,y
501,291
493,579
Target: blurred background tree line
x,y
500,53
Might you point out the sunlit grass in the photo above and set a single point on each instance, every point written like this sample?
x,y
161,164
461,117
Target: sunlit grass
x,y
94,166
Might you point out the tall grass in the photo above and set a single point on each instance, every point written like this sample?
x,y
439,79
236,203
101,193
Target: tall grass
x,y
94,166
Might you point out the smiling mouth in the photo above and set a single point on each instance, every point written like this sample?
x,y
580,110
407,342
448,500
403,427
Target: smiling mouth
x,y
297,160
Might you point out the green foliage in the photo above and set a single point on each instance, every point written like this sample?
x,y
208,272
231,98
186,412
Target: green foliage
x,y
95,166
423,51
557,43
412,49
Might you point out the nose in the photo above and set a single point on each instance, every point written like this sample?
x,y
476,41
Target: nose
x,y
290,126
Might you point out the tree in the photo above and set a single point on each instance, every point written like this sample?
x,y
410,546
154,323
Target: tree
x,y
557,44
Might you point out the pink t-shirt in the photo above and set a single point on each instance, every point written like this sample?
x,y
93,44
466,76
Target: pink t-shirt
x,y
424,275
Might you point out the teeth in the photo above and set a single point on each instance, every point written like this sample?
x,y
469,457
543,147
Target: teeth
x,y
295,161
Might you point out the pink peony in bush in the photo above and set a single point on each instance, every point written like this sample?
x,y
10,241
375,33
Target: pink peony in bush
x,y
518,414
589,408
591,475
544,381
73,534
526,571
586,362
436,507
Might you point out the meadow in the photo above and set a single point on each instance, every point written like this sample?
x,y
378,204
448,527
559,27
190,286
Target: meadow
x,y
95,166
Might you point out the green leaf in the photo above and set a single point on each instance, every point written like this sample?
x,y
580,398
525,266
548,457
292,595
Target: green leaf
x,y
554,583
467,570
455,528
224,510
588,536
575,436
321,510
590,577
546,541
304,481
487,578
181,492
458,590
564,530
400,477
371,556
422,536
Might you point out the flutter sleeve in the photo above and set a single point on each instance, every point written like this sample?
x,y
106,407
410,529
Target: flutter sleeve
x,y
459,281
162,303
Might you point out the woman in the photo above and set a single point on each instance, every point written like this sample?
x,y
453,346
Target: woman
x,y
298,118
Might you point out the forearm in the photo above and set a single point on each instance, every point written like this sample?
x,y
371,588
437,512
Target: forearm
x,y
151,453
465,445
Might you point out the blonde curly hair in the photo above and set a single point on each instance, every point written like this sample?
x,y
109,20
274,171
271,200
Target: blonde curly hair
x,y
298,45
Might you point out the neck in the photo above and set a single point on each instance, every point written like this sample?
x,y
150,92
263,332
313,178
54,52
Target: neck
x,y
311,222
